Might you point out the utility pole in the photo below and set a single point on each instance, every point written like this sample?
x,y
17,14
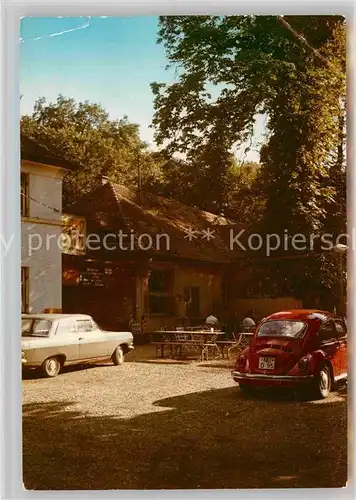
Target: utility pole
x,y
139,176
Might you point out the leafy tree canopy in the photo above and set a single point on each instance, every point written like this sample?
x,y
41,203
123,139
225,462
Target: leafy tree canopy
x,y
83,133
229,69
233,67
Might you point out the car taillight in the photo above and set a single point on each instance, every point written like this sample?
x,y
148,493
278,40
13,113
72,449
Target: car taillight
x,y
241,361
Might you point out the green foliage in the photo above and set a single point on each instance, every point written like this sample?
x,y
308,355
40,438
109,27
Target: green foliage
x,y
83,133
229,68
193,183
245,200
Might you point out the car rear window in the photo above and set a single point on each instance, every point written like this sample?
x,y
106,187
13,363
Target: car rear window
x,y
35,327
282,328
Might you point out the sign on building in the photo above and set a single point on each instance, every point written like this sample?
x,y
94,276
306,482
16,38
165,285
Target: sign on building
x,y
73,235
92,276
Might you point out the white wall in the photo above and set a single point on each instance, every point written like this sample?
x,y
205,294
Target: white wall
x,y
45,185
40,233
48,190
44,259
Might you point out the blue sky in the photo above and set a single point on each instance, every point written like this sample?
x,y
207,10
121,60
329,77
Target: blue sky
x,y
111,61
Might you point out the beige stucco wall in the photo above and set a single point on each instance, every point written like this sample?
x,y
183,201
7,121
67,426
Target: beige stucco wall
x,y
209,283
264,306
40,233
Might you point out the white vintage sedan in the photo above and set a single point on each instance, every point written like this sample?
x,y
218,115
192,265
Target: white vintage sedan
x,y
50,341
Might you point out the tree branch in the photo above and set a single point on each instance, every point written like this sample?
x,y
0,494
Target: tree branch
x,y
303,41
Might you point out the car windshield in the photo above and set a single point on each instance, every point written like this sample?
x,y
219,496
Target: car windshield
x,y
35,327
282,328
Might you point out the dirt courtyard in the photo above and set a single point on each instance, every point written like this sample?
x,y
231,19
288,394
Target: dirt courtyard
x,y
175,425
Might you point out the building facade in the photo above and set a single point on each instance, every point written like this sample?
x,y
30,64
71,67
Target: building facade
x,y
41,206
157,274
129,278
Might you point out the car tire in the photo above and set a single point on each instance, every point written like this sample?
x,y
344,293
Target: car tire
x,y
323,383
247,390
118,356
51,367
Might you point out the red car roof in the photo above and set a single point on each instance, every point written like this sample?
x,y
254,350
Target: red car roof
x,y
301,314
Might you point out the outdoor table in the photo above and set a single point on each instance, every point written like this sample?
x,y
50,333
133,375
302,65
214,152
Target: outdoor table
x,y
197,339
239,342
189,333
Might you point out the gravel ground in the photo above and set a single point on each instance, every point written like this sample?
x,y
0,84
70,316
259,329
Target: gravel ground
x,y
150,424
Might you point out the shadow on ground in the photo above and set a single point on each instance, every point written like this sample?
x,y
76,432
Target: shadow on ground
x,y
147,354
142,354
36,373
211,439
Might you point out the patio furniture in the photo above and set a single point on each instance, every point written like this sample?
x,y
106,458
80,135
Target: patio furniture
x,y
181,339
243,339
238,344
203,342
209,343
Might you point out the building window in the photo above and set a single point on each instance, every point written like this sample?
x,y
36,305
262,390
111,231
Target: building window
x,y
24,194
160,286
24,289
161,304
192,299
160,281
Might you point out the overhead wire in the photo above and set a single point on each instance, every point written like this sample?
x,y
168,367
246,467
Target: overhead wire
x,y
56,210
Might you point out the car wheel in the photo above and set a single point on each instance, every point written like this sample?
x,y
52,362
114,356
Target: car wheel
x,y
323,383
51,367
247,390
118,356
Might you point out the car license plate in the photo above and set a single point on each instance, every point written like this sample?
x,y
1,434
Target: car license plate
x,y
266,363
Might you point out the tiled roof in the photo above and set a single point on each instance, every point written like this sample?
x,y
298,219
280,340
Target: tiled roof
x,y
31,150
113,207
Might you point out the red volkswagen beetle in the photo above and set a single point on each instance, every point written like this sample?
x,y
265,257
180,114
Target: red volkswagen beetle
x,y
300,348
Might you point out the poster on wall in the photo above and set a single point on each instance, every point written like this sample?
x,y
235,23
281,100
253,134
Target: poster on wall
x,y
73,234
70,276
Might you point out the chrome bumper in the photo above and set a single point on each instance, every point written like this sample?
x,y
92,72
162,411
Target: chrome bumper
x,y
131,347
237,376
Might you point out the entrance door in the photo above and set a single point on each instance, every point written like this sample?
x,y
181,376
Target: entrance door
x,y
192,293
